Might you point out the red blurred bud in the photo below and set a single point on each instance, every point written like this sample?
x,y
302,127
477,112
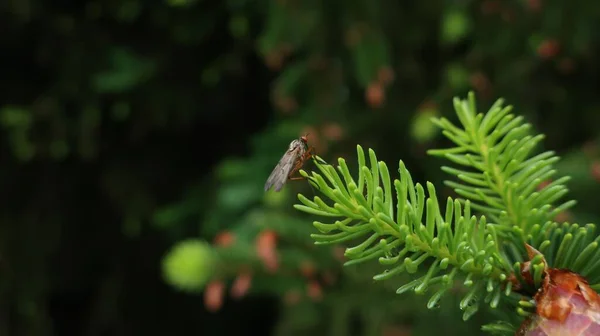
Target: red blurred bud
x,y
213,295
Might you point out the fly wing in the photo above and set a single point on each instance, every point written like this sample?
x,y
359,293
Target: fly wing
x,y
281,172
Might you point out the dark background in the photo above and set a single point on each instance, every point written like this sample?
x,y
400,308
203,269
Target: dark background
x,y
131,126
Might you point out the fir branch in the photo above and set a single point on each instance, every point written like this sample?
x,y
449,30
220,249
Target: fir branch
x,y
407,228
401,223
502,179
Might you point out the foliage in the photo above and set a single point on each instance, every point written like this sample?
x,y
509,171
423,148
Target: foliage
x,y
129,127
403,227
188,265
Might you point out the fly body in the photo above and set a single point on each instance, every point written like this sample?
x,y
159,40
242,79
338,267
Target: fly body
x,y
291,161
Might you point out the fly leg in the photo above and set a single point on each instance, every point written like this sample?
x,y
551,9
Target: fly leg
x,y
297,167
300,163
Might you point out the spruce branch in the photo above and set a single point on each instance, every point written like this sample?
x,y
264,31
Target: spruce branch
x,y
502,179
402,224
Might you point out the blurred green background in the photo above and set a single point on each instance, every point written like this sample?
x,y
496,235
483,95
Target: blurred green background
x,y
137,137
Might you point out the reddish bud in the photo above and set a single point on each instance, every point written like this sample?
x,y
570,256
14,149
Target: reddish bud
x,y
241,284
286,104
375,95
266,248
566,66
314,290
385,75
481,83
213,295
566,306
548,48
534,5
307,269
339,253
333,131
224,239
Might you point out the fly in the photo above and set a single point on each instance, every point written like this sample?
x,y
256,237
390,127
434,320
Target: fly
x,y
291,161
